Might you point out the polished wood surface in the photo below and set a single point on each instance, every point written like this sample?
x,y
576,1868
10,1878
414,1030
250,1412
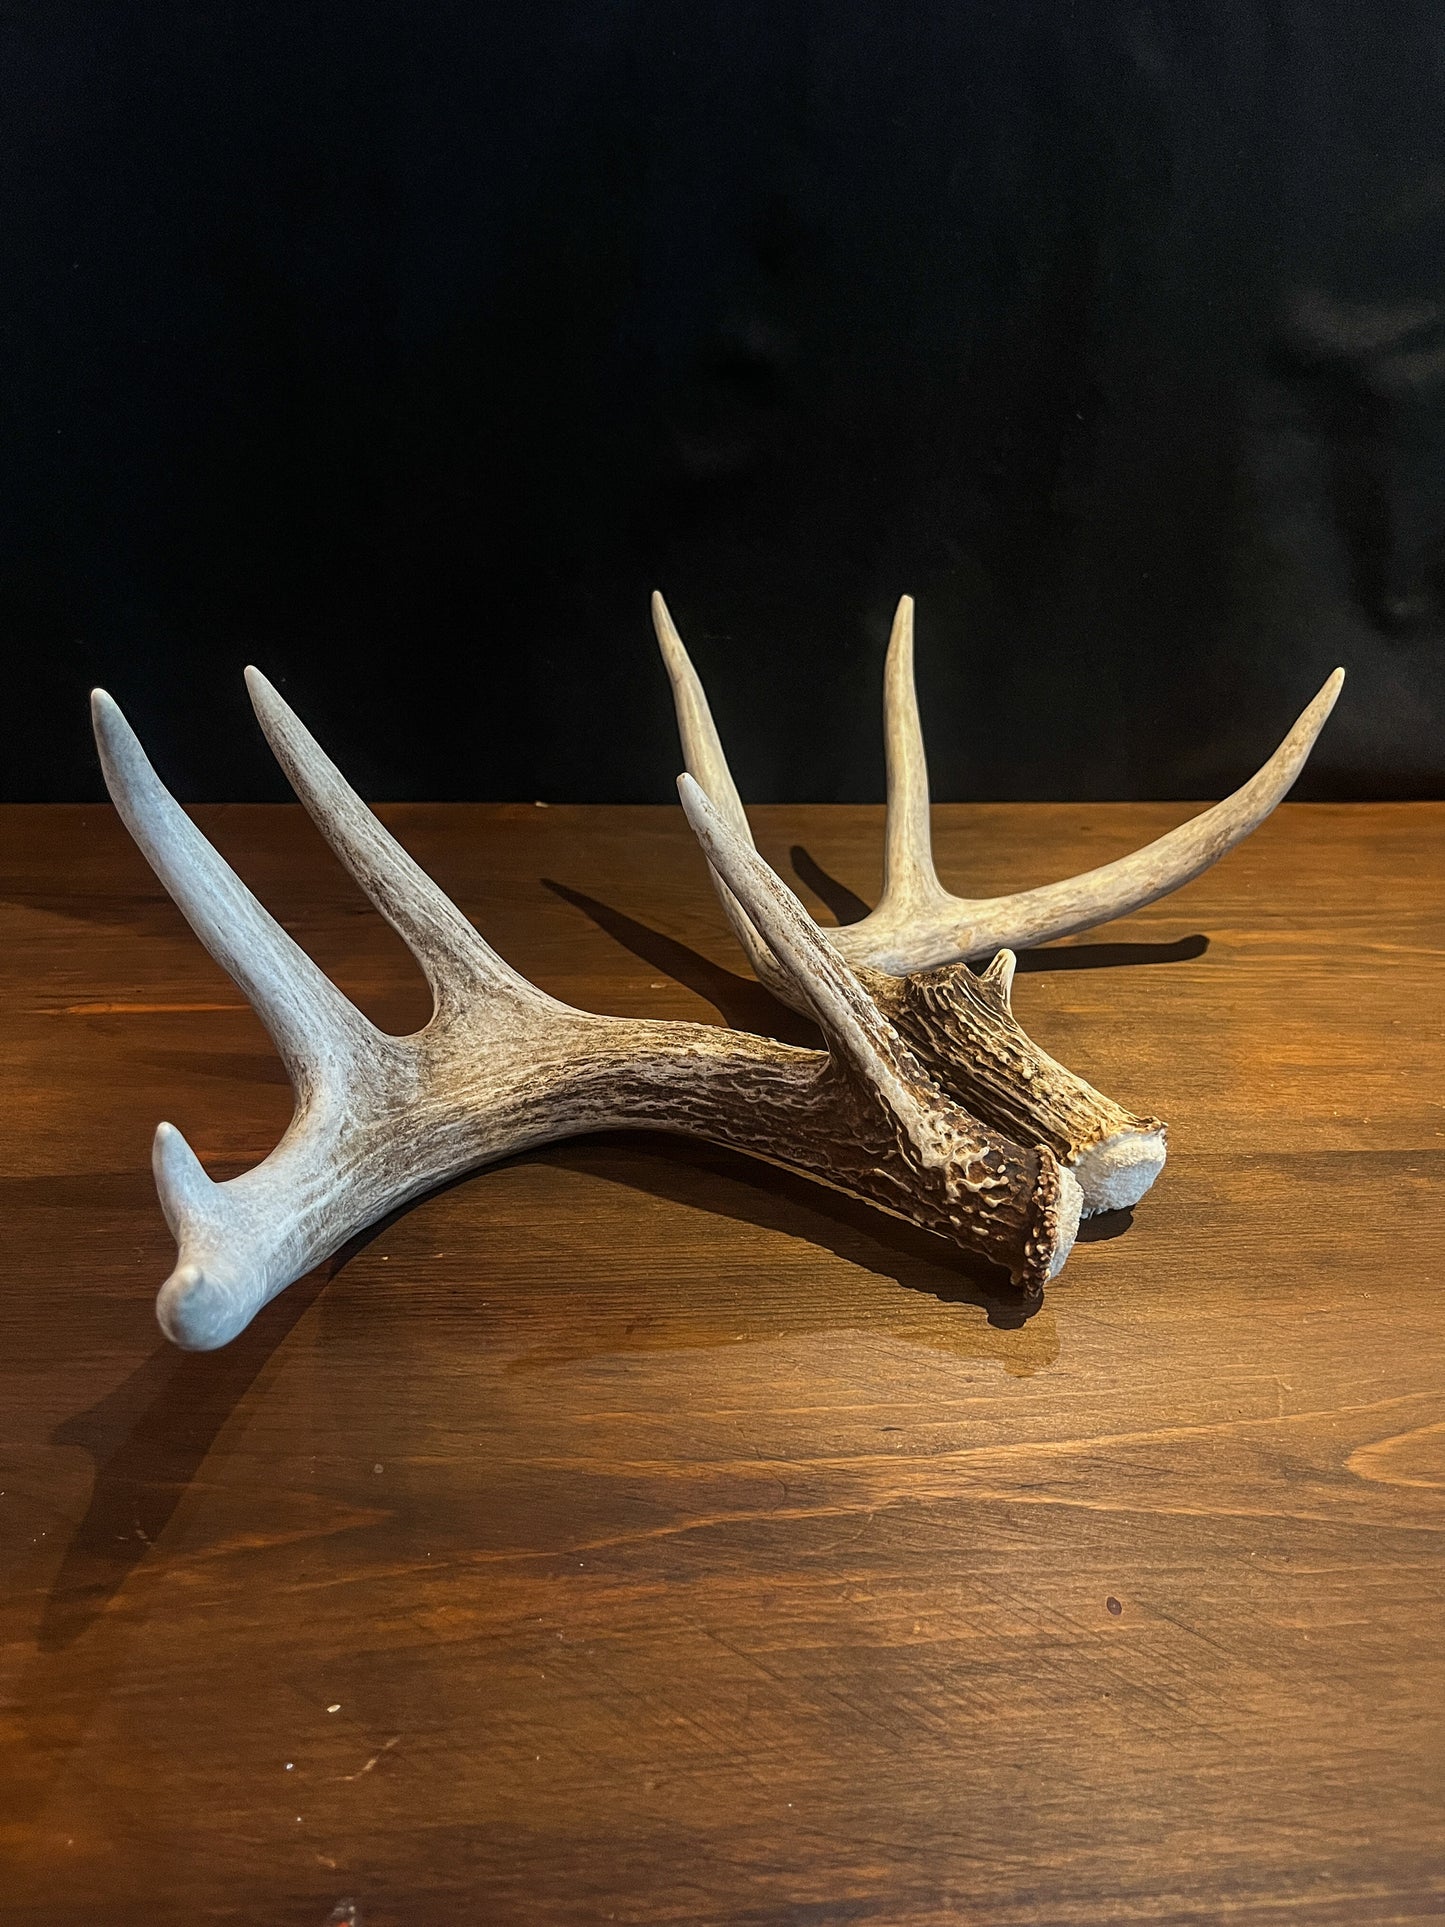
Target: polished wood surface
x,y
636,1533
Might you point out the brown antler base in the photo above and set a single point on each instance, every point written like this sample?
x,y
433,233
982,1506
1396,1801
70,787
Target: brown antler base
x,y
963,1028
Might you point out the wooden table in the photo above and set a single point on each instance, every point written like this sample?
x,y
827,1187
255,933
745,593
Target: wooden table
x,y
634,1533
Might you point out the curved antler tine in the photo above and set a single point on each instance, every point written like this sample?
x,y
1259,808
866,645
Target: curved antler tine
x,y
849,1017
453,955
306,1015
703,753
908,872
1115,889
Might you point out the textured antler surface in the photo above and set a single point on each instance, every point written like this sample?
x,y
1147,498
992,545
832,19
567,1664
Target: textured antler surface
x,y
912,950
962,1027
501,1066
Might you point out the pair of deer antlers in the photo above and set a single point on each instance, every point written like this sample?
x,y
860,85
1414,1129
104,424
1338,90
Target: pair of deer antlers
x,y
930,1100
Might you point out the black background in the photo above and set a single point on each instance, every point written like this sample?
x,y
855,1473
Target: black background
x,y
403,348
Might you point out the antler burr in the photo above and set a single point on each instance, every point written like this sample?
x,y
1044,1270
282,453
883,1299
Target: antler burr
x,y
912,950
501,1066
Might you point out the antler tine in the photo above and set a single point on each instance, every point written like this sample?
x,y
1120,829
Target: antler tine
x,y
975,929
455,958
819,977
999,976
701,746
304,1012
320,1034
909,878
702,751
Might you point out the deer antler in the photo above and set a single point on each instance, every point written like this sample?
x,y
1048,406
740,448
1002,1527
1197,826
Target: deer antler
x,y
917,924
911,951
501,1066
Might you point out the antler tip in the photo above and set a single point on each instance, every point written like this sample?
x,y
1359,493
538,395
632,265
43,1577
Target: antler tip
x,y
902,635
181,1180
1312,720
702,812
265,697
664,628
1324,701
695,801
1000,976
114,737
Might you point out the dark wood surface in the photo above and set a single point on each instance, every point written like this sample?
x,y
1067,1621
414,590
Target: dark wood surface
x,y
633,1533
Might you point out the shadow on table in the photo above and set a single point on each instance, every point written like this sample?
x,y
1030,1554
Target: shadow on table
x,y
706,1177
741,1002
744,1004
1108,1224
148,1438
845,905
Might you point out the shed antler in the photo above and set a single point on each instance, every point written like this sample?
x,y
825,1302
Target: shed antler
x,y
917,924
911,952
501,1066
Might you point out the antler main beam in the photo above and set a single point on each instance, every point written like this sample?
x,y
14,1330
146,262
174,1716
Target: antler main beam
x,y
502,1067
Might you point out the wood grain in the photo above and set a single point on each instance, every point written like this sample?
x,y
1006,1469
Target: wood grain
x,y
678,1542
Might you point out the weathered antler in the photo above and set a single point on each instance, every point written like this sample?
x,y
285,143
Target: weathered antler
x,y
912,950
917,924
501,1066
